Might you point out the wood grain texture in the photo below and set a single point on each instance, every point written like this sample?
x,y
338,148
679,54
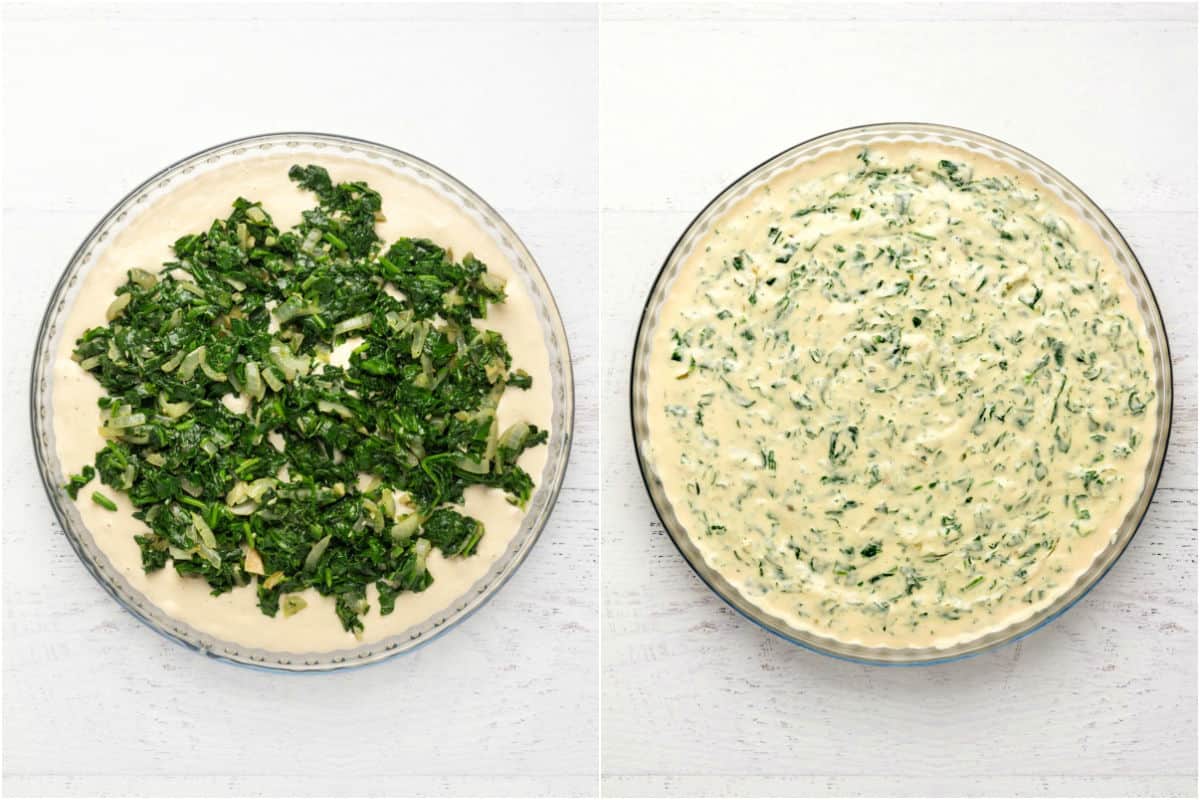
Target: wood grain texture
x,y
94,703
697,701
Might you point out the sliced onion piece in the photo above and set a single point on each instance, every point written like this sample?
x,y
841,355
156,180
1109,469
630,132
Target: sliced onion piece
x,y
513,435
294,306
406,526
493,283
352,324
173,410
374,515
272,379
253,562
469,464
254,383
293,604
187,368
117,307
318,550
288,362
143,278
236,494
256,489
489,452
395,321
213,375
173,362
208,541
421,550
328,406
420,331
245,240
127,420
495,370
310,241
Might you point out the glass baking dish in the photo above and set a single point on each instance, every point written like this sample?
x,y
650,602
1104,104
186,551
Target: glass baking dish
x,y
303,144
862,136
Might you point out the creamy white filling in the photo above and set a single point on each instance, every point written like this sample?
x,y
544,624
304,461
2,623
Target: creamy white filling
x,y
867,403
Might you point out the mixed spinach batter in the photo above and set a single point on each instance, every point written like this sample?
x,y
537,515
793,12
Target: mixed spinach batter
x,y
901,398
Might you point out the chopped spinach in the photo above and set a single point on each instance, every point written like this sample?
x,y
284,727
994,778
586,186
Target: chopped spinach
x,y
77,482
327,477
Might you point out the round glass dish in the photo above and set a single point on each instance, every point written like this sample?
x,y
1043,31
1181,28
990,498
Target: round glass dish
x,y
789,159
304,144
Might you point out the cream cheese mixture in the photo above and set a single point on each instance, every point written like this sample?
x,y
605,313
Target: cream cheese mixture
x,y
901,396
411,210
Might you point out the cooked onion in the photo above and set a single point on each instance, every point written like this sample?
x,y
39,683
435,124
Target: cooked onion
x,y
318,550
406,526
352,324
192,360
142,278
117,307
254,384
293,604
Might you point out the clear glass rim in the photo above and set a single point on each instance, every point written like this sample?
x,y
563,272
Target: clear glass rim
x,y
1122,253
540,506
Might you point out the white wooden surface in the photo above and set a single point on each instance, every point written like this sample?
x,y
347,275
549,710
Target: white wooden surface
x,y
698,701
97,99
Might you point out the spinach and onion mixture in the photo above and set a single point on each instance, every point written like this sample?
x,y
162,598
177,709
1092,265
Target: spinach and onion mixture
x,y
252,456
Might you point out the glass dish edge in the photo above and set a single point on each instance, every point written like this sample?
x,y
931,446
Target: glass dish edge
x,y
541,504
